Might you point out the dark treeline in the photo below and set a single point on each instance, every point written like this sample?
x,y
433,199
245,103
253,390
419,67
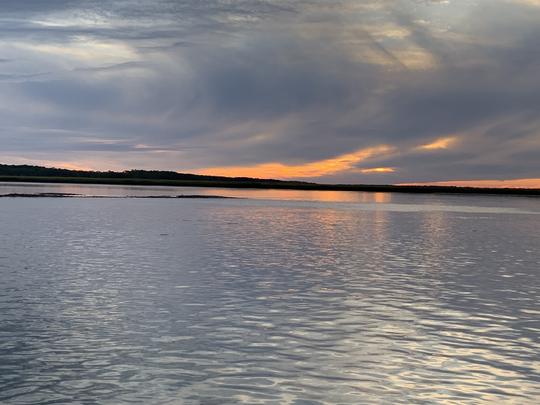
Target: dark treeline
x,y
27,173
38,171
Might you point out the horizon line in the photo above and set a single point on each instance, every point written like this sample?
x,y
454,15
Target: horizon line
x,y
481,184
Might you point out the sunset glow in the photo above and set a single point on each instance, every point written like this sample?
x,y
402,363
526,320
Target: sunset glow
x,y
270,201
370,91
308,170
442,143
515,183
378,170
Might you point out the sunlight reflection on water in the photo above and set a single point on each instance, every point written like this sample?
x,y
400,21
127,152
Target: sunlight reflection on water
x,y
244,301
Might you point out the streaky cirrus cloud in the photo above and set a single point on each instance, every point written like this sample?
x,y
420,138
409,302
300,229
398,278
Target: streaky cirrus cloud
x,y
290,89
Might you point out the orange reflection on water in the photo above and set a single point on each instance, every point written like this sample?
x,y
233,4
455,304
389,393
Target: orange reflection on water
x,y
308,195
127,190
382,197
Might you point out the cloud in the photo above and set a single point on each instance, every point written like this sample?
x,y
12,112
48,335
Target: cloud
x,y
320,168
376,170
278,88
441,143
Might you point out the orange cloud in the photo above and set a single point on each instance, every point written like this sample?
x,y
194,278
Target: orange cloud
x,y
312,169
441,143
378,170
529,2
70,166
515,183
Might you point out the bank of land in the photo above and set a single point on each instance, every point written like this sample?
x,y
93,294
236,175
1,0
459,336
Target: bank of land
x,y
27,173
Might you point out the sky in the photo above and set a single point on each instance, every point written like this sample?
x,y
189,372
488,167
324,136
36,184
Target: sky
x,y
375,91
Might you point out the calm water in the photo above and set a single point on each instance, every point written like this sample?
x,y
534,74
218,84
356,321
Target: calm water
x,y
286,298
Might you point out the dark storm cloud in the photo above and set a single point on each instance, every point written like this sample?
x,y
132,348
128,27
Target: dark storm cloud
x,y
248,82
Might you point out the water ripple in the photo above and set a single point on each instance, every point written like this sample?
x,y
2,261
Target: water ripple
x,y
188,302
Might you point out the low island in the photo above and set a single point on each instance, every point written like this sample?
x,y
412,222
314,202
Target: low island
x,y
29,173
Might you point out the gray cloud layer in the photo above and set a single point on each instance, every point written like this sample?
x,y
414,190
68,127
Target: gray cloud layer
x,y
192,84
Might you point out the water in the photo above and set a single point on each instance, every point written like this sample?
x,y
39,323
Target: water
x,y
286,298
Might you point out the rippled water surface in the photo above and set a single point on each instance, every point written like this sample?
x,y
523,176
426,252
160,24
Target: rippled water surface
x,y
285,298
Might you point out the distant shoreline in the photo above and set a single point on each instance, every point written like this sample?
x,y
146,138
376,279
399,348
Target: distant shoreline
x,y
273,184
72,195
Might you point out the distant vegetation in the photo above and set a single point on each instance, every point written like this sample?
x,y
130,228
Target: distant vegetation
x,y
38,171
27,173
